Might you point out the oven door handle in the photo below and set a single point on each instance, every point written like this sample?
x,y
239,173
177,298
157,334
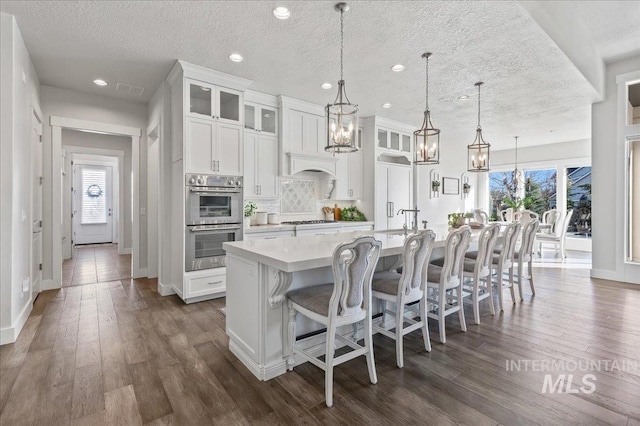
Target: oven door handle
x,y
213,228
210,190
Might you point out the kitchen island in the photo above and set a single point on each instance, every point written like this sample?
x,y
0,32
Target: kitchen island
x,y
260,272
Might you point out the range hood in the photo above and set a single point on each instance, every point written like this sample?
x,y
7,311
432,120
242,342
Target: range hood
x,y
311,163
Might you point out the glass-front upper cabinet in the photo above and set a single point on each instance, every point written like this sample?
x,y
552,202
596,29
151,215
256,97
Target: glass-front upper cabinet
x,y
383,138
406,143
218,103
260,118
395,141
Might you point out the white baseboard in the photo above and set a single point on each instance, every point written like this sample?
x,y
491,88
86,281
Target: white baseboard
x,y
140,273
165,289
605,274
49,285
10,334
124,250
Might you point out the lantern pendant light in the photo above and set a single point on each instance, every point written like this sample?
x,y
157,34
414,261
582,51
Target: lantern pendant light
x,y
427,138
342,115
478,151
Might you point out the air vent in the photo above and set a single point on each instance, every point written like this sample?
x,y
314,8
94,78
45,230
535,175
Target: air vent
x,y
129,88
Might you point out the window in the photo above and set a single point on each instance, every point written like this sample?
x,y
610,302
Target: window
x,y
94,186
579,200
501,186
540,190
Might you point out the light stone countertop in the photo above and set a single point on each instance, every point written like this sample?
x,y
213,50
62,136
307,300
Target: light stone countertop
x,y
292,254
254,229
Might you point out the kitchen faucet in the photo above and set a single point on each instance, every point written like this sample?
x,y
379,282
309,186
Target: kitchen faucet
x,y
415,211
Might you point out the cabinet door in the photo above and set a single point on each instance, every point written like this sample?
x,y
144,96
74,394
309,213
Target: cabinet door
x,y
356,175
383,138
199,145
406,143
394,141
399,191
200,99
342,188
268,120
250,160
311,138
382,207
229,149
229,106
296,130
250,117
267,166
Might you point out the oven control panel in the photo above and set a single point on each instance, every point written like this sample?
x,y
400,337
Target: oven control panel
x,y
216,181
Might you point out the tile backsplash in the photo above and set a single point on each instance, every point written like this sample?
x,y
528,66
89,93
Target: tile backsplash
x,y
298,196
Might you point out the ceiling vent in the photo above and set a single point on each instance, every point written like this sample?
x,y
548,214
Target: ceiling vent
x,y
129,88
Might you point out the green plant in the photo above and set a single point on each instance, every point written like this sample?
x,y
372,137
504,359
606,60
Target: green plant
x,y
454,218
466,188
469,215
352,214
250,208
435,185
515,203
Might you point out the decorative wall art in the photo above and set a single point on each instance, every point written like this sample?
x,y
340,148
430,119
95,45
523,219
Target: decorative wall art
x,y
450,186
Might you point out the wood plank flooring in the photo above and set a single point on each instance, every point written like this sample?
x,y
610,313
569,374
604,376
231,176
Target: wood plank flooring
x,y
118,353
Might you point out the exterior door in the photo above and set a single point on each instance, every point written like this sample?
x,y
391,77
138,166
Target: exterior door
x,y
36,207
93,204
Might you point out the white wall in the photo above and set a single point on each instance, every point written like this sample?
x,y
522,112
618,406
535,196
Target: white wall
x,y
160,111
113,142
72,104
20,92
452,165
608,145
543,154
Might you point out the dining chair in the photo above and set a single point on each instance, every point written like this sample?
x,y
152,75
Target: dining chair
x,y
405,288
448,278
481,216
558,238
551,219
507,215
478,272
525,254
345,301
502,260
525,216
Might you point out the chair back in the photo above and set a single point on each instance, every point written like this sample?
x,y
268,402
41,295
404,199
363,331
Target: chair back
x,y
486,244
455,247
481,216
511,234
507,214
353,267
526,216
561,232
415,257
528,237
552,217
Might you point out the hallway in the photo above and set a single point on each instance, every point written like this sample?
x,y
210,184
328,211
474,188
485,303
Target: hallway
x,y
95,263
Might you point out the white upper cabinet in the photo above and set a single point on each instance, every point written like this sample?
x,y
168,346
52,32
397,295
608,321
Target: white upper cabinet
x,y
229,150
260,165
261,118
213,147
393,141
214,102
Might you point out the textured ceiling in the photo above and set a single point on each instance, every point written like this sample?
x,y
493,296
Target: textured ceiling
x,y
531,88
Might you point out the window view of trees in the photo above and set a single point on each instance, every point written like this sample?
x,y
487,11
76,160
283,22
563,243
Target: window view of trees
x,y
539,191
579,199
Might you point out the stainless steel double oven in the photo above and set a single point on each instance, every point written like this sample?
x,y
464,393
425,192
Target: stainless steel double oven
x,y
213,216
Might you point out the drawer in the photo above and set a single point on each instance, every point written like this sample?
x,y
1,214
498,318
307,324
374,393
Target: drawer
x,y
268,235
203,286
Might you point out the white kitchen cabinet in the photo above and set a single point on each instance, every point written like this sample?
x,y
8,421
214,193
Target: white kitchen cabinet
x,y
205,284
260,118
394,141
213,147
306,133
349,176
260,165
206,100
392,193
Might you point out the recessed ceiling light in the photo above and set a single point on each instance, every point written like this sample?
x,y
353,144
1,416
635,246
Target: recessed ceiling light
x,y
236,57
463,98
397,67
205,89
326,86
281,12
387,105
99,82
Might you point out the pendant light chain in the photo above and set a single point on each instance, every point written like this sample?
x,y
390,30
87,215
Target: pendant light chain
x,y
341,42
426,86
478,106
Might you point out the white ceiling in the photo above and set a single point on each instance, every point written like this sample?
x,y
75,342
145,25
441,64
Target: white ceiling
x,y
531,88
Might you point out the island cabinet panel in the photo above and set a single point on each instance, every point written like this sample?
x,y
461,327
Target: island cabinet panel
x,y
244,310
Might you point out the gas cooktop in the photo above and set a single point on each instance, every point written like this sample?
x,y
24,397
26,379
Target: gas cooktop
x,y
307,222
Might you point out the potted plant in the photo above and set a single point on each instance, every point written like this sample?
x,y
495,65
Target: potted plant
x,y
249,209
468,216
435,186
456,219
466,188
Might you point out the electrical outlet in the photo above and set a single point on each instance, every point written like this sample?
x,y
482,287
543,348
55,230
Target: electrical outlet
x,y
26,283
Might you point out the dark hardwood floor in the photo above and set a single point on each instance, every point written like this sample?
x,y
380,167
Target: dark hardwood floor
x,y
118,353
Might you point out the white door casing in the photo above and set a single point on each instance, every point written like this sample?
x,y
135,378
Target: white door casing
x,y
93,204
36,207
